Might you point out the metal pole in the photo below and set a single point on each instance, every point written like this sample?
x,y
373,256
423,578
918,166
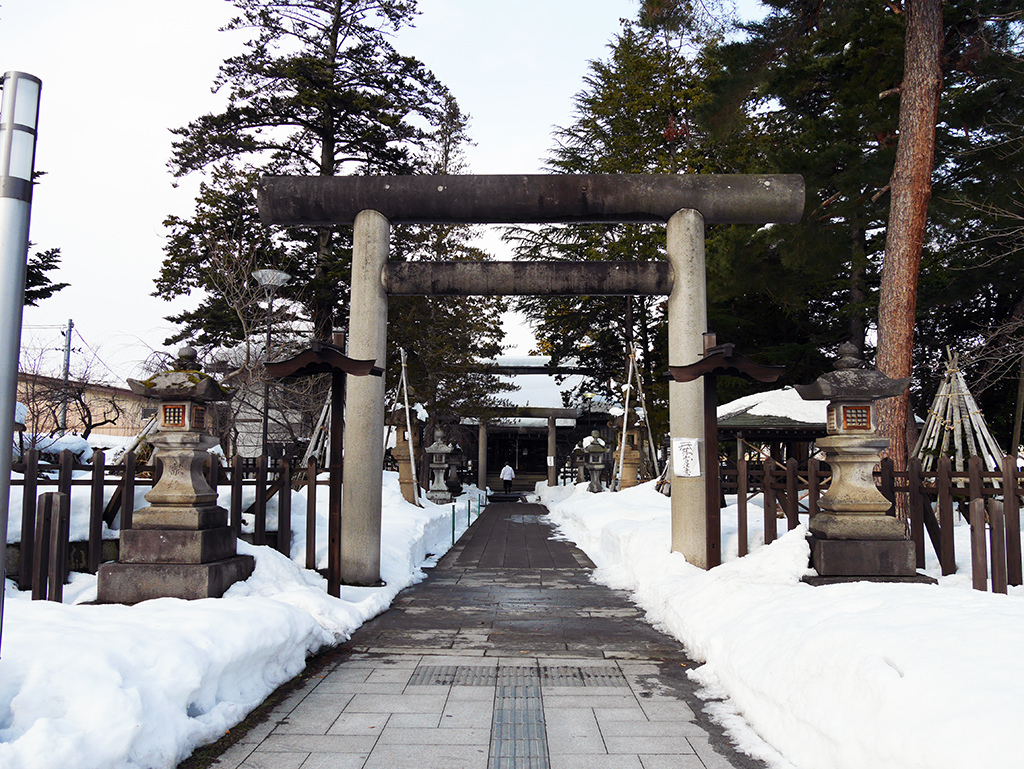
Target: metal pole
x,y
18,122
67,377
266,377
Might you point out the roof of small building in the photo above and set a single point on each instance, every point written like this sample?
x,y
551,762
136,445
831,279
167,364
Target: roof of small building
x,y
774,411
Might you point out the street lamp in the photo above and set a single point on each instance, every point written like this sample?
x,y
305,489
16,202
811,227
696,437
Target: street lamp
x,y
271,280
19,115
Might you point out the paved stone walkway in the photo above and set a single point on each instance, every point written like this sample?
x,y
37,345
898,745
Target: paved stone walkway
x,y
506,657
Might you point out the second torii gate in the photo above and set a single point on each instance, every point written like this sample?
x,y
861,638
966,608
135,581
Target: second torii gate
x,y
372,203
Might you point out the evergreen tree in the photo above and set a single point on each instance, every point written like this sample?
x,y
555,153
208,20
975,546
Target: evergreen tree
x,y
449,340
641,112
319,90
823,80
38,285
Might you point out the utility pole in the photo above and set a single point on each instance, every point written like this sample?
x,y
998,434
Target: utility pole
x,y
67,375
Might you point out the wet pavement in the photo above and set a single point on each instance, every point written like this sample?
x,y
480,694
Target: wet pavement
x,y
506,657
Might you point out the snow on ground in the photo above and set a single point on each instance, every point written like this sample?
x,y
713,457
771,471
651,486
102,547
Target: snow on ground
x,y
141,686
853,676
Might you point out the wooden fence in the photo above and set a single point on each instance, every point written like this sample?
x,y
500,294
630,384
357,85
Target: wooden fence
x,y
264,478
791,491
990,501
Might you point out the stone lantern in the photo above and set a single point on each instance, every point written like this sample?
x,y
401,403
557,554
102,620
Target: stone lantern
x,y
630,460
596,460
852,535
439,451
181,545
407,447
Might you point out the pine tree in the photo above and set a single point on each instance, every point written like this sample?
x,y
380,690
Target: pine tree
x,y
319,90
39,285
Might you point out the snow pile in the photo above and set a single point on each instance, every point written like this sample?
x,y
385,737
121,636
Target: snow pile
x,y
785,403
844,676
116,686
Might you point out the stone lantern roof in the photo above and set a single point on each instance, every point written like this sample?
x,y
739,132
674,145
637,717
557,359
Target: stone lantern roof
x,y
184,381
851,380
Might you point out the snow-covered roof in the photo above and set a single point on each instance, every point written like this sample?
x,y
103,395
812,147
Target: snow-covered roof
x,y
775,408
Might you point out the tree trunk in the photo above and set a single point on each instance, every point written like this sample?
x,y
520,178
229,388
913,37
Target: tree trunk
x,y
908,213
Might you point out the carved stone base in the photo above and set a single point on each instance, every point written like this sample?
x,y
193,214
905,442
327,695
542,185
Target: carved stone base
x,y
863,558
177,545
179,517
130,583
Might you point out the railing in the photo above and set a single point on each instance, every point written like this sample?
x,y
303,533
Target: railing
x,y
266,479
991,500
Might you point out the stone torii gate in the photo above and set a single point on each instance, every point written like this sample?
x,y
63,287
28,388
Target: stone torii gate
x,y
373,203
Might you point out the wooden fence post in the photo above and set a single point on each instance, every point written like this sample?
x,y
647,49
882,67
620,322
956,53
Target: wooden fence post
x,y
792,495
311,514
1011,517
917,502
259,534
236,494
284,507
28,519
771,526
41,545
128,491
979,559
741,505
95,553
65,473
997,545
60,522
944,490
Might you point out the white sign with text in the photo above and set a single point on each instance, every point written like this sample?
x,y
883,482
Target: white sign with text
x,y
686,457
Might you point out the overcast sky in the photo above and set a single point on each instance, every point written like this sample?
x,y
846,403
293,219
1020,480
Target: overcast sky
x,y
118,74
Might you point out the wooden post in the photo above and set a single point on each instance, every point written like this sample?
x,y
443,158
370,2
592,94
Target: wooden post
x,y
997,545
741,505
235,512
1011,516
979,559
712,487
41,545
792,495
66,472
771,526
28,519
259,533
917,503
311,514
128,491
335,490
95,553
60,521
284,507
944,490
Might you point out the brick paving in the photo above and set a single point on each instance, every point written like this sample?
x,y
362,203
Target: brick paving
x,y
506,657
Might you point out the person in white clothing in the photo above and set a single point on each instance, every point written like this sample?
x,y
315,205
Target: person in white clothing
x,y
507,474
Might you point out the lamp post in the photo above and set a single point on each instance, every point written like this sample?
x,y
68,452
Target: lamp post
x,y
271,280
19,116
